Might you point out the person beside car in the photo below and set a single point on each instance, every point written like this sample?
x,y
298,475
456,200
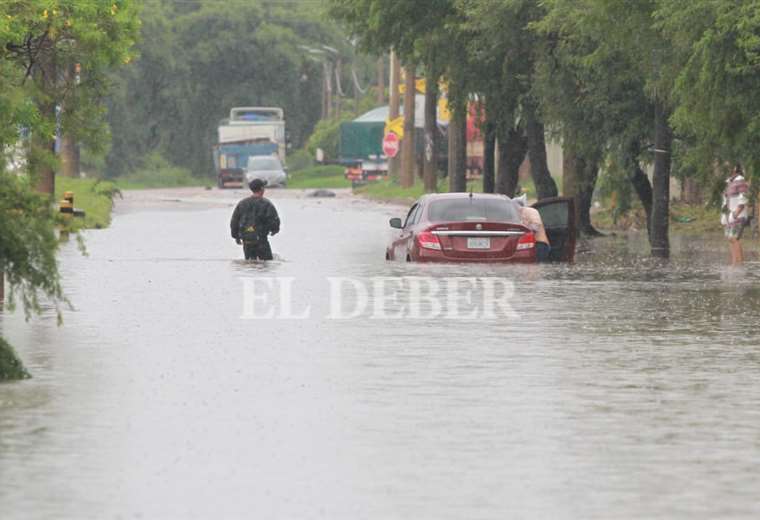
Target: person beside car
x,y
531,219
254,219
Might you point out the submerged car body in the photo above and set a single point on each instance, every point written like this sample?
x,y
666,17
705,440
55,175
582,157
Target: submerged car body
x,y
478,227
266,168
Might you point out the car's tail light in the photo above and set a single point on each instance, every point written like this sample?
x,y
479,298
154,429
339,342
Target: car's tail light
x,y
527,241
428,240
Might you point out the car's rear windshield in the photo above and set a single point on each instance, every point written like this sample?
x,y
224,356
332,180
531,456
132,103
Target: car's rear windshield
x,y
263,163
474,209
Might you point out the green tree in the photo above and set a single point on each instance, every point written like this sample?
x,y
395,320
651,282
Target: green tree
x,y
505,51
194,65
39,40
64,49
594,98
640,43
717,107
427,33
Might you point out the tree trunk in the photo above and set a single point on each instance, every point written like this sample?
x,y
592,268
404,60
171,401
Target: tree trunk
x,y
394,164
570,176
489,157
692,191
640,182
659,234
69,157
512,149
587,171
407,143
545,185
46,177
569,168
430,174
43,155
458,150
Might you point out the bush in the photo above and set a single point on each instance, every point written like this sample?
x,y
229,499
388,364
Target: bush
x,y
327,137
11,367
300,160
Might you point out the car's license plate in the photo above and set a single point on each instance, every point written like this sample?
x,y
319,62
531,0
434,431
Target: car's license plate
x,y
478,243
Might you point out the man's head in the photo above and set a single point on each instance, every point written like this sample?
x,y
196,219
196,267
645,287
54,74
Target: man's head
x,y
737,170
257,186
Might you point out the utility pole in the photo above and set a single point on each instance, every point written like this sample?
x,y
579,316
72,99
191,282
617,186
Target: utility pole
x,y
394,164
327,111
408,143
381,80
338,72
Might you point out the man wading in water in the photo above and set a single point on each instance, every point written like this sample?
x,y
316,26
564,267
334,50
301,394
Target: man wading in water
x,y
254,219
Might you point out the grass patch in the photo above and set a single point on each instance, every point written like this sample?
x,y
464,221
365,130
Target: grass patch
x,y
11,367
685,219
157,172
319,177
91,195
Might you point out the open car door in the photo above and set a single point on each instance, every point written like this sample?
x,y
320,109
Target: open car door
x,y
558,215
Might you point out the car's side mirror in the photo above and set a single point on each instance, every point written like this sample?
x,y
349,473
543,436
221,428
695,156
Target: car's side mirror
x,y
396,223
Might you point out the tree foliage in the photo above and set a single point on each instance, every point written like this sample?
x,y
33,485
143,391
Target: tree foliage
x,y
622,83
42,43
195,64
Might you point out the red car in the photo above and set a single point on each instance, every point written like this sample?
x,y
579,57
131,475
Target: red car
x,y
479,227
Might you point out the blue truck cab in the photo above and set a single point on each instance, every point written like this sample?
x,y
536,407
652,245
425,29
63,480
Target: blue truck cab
x,y
231,160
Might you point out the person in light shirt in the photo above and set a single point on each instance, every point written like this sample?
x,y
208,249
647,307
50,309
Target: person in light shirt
x,y
531,219
735,214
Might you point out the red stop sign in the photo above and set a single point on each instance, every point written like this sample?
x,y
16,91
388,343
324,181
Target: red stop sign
x,y
391,145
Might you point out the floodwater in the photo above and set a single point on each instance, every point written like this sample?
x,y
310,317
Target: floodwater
x,y
626,387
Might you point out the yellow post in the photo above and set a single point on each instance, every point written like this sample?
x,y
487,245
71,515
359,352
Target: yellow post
x,y
66,208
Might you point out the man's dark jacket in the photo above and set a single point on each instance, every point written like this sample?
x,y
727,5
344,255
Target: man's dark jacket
x,y
257,212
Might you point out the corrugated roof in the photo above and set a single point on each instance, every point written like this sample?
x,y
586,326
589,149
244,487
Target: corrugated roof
x,y
380,114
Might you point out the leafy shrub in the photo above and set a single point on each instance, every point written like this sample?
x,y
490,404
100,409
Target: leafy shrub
x,y
11,367
106,189
327,137
300,160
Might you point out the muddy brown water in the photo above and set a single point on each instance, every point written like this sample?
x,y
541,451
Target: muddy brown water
x,y
626,388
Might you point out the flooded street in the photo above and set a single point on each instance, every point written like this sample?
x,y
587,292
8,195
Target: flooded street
x,y
626,388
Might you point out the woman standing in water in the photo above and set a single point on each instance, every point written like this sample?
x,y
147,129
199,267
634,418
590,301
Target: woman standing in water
x,y
735,212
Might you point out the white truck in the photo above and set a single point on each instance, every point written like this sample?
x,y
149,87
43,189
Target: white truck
x,y
249,125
